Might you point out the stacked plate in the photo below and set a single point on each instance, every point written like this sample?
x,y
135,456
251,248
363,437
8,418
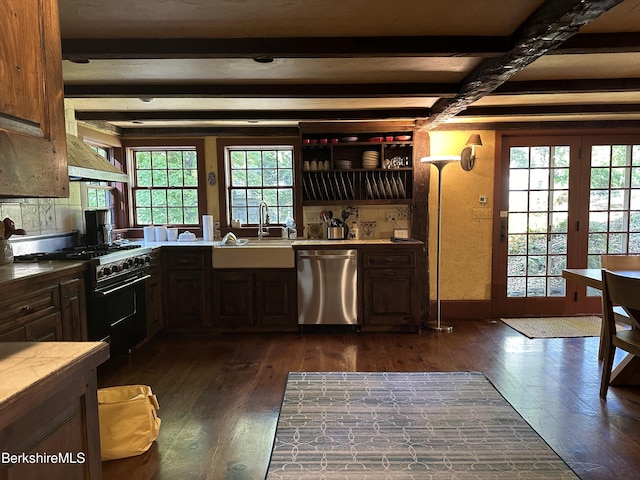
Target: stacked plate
x,y
342,164
370,159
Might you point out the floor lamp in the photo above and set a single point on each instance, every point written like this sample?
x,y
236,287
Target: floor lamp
x,y
439,162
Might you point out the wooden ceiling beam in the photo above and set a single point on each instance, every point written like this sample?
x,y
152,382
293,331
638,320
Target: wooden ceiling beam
x,y
582,85
584,43
86,49
221,115
540,110
545,29
83,49
357,90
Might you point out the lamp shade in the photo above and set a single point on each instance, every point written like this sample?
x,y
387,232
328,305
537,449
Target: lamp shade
x,y
475,140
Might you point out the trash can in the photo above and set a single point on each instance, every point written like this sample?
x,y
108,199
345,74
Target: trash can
x,y
128,420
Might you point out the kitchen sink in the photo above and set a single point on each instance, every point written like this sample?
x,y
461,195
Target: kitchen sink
x,y
254,253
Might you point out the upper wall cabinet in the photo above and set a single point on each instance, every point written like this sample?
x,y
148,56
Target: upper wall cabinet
x,y
33,156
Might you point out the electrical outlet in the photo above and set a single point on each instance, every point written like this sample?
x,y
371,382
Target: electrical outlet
x,y
391,217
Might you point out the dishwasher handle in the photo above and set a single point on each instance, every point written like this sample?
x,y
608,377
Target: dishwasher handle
x,y
326,257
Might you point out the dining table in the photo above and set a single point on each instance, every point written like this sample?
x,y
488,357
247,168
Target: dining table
x,y
627,372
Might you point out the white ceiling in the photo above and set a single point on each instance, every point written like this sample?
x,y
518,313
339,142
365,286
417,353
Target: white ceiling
x,y
338,59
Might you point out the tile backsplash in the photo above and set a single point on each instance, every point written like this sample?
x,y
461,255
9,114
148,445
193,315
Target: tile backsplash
x,y
372,219
39,216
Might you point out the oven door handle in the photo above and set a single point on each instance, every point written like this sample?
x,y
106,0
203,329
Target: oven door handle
x,y
104,293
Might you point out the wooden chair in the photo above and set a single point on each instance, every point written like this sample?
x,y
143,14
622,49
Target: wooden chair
x,y
616,263
625,291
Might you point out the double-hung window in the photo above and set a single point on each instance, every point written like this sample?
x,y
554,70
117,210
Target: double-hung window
x,y
254,173
165,184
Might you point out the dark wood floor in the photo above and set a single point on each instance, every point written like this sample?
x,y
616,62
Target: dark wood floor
x,y
220,396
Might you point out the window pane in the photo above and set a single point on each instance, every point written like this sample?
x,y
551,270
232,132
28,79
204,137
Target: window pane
x,y
175,160
175,178
159,160
160,178
143,160
144,178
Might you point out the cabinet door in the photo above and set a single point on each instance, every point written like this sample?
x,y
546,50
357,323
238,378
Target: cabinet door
x,y
155,310
389,297
73,310
186,299
32,131
275,298
45,329
233,299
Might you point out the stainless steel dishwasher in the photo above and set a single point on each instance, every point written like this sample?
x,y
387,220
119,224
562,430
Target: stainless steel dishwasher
x,y
327,287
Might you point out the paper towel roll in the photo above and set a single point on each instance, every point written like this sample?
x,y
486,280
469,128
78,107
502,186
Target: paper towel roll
x,y
207,228
149,234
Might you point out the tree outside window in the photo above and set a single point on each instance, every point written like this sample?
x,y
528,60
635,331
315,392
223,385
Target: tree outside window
x,y
258,173
166,186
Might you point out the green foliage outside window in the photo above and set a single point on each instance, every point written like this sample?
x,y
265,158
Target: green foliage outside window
x,y
261,173
166,190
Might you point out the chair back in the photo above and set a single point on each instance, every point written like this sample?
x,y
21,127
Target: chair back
x,y
619,289
620,262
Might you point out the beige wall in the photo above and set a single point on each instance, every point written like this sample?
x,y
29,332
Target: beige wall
x,y
465,241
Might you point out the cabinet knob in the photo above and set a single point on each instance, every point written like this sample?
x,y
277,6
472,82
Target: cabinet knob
x,y
27,310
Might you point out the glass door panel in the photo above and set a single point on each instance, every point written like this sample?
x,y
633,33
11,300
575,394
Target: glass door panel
x,y
614,202
536,239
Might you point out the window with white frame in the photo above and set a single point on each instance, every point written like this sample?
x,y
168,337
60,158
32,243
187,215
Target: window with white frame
x,y
260,173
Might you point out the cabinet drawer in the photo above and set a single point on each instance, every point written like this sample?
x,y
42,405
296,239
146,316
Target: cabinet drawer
x,y
32,303
402,259
186,261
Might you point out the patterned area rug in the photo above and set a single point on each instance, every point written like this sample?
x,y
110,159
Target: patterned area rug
x,y
556,327
390,426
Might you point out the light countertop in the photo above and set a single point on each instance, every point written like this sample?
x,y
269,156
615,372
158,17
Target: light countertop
x,y
17,271
24,365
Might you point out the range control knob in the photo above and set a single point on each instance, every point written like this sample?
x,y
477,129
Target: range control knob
x,y
100,273
106,271
147,259
124,266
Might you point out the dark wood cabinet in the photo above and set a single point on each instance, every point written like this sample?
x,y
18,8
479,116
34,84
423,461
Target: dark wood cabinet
x,y
34,316
186,279
233,298
275,298
155,309
389,297
74,310
255,299
52,409
33,142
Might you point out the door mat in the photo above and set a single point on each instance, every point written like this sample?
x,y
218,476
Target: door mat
x,y
556,327
389,426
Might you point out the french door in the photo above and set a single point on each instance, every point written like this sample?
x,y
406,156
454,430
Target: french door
x,y
563,202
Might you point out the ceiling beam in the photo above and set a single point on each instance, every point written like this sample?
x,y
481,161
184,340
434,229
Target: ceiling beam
x,y
221,115
357,90
540,110
582,85
85,49
583,43
545,29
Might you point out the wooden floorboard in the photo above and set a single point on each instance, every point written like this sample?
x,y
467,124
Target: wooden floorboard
x,y
220,395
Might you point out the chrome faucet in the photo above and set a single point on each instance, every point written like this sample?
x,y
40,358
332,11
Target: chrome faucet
x,y
263,230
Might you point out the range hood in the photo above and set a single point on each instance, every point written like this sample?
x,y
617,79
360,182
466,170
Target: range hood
x,y
86,164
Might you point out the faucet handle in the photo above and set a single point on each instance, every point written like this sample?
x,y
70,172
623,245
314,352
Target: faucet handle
x,y
266,219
